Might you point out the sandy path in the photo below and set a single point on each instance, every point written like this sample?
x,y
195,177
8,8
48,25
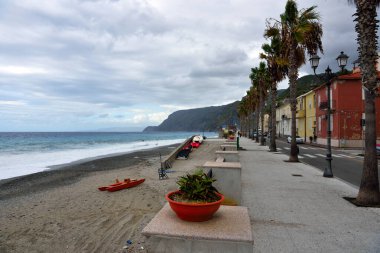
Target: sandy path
x,y
79,218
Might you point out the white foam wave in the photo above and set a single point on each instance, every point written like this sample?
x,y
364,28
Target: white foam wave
x,y
28,163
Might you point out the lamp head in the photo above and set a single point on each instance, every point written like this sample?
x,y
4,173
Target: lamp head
x,y
342,60
314,61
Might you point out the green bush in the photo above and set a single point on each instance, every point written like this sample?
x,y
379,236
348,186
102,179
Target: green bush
x,y
197,187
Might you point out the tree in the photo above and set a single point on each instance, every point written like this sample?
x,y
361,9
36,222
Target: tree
x,y
243,112
277,68
255,92
260,79
300,32
366,28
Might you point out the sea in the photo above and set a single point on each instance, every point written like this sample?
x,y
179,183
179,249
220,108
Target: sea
x,y
23,153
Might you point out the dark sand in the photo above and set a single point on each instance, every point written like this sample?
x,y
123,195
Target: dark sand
x,y
63,211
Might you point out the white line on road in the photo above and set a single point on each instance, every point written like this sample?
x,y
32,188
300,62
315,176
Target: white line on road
x,y
347,156
320,155
287,148
311,156
300,156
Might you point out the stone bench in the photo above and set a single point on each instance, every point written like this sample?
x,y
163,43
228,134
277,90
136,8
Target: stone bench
x,y
228,147
228,231
229,156
228,179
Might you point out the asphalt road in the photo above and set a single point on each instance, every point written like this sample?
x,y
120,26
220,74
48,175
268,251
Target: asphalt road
x,y
345,165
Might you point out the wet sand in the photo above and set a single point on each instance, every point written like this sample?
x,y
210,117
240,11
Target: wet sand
x,y
63,211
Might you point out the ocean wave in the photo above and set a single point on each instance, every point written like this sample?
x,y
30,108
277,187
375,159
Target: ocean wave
x,y
18,164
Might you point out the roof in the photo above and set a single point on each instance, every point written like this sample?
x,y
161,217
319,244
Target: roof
x,y
356,75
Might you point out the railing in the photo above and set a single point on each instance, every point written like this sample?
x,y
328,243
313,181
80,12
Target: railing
x,y
169,159
324,104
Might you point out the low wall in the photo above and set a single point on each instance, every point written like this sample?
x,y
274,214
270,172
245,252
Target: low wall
x,y
228,178
229,156
228,147
168,160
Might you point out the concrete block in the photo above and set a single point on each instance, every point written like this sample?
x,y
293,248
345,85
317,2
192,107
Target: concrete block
x,y
228,147
228,178
230,143
219,159
229,156
228,231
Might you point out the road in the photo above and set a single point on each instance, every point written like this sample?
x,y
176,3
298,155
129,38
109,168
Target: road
x,y
345,165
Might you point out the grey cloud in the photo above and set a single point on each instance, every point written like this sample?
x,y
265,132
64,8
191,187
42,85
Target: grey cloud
x,y
102,57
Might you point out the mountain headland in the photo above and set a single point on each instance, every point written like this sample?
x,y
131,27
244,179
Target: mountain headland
x,y
199,119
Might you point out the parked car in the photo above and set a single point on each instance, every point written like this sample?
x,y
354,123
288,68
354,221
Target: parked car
x,y
298,139
378,149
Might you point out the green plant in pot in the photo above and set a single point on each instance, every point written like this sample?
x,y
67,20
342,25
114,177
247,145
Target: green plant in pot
x,y
197,199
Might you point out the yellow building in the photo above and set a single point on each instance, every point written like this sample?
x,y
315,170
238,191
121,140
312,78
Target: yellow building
x,y
301,117
283,119
310,106
306,120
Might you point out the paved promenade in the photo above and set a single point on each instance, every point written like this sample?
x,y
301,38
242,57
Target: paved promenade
x,y
304,213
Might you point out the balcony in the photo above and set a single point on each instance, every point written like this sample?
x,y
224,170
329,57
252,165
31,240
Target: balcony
x,y
324,104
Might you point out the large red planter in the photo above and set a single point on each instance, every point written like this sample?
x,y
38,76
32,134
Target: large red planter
x,y
194,211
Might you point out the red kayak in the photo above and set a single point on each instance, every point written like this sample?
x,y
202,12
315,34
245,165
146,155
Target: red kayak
x,y
127,183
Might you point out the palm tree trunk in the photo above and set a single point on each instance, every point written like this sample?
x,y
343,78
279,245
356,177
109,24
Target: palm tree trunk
x,y
272,147
293,73
262,102
257,122
366,28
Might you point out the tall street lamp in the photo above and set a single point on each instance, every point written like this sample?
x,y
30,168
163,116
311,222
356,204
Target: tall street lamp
x,y
327,77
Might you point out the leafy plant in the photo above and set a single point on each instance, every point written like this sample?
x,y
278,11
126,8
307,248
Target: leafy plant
x,y
197,187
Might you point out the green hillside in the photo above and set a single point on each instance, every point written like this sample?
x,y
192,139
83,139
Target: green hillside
x,y
200,119
304,84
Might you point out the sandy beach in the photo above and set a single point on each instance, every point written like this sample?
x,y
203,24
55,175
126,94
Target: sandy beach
x,y
63,211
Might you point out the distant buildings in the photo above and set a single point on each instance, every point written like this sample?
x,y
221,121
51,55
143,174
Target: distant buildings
x,y
347,113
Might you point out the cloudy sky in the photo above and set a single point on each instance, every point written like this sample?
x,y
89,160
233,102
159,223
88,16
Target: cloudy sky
x,y
68,65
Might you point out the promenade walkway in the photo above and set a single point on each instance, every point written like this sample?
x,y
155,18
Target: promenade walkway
x,y
294,209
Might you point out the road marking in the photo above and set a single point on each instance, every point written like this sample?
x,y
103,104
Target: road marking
x,y
286,148
300,156
311,156
320,155
304,148
347,156
279,148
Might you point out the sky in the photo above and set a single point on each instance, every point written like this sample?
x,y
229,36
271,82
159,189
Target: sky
x,y
78,65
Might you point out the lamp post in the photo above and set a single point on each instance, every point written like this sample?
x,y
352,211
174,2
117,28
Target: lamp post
x,y
327,77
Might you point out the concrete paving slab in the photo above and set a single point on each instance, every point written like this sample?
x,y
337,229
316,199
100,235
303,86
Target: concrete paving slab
x,y
302,214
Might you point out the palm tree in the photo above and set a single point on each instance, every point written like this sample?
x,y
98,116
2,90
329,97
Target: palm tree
x,y
255,92
260,80
366,28
277,68
300,32
243,114
263,82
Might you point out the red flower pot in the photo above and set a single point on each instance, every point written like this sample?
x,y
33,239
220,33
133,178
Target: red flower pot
x,y
194,211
